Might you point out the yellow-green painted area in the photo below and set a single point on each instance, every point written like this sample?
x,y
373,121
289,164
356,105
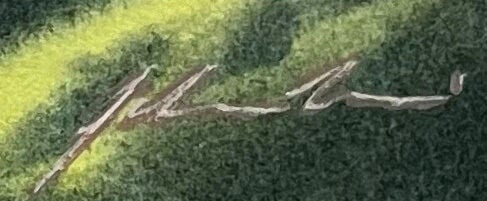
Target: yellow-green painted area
x,y
353,22
32,74
96,156
365,28
197,33
362,29
200,36
89,160
309,157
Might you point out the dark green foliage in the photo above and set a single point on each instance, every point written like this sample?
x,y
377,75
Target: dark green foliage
x,y
266,40
22,18
341,153
419,58
268,36
46,132
338,154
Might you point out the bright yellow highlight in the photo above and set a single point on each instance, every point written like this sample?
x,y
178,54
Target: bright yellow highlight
x,y
29,77
90,174
200,35
198,32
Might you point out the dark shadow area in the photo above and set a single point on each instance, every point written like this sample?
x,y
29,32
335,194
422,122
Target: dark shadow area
x,y
268,36
22,18
419,58
266,39
338,154
341,154
46,133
